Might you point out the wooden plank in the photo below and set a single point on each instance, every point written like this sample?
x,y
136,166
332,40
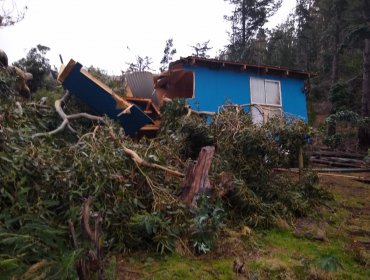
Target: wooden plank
x,y
334,170
338,154
342,160
333,163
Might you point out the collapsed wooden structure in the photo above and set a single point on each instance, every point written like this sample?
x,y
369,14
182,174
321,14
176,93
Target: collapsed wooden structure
x,y
137,112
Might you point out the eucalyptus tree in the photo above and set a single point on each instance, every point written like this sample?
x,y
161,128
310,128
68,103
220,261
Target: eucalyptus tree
x,y
168,53
38,65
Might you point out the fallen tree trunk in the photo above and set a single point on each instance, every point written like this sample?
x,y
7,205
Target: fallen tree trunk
x,y
196,179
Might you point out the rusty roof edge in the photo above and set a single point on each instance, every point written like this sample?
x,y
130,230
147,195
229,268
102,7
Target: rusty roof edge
x,y
192,60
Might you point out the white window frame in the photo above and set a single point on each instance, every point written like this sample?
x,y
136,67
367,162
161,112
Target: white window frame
x,y
264,85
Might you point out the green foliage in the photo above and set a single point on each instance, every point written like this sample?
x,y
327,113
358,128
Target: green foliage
x,y
281,46
157,228
117,83
247,20
344,97
206,223
7,84
246,206
45,180
328,263
352,119
50,96
194,134
172,113
38,65
251,152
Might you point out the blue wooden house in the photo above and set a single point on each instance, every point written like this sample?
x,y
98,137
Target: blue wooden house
x,y
266,90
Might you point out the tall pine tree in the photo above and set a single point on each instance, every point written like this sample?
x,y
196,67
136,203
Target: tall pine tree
x,y
247,20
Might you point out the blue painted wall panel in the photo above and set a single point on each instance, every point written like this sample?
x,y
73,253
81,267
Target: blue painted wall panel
x,y
215,87
293,97
102,102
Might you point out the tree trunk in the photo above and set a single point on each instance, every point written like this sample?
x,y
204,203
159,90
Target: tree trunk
x,y
244,35
196,179
335,60
364,132
334,72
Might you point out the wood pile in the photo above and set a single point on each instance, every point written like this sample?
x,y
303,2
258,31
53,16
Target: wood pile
x,y
337,159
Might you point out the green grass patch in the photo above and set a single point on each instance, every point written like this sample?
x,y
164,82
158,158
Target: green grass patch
x,y
300,254
178,267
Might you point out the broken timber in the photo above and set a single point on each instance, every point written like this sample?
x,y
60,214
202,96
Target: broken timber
x,y
196,179
101,98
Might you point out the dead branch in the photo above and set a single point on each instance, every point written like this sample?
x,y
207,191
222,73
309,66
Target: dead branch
x,y
73,233
139,161
136,158
85,220
199,113
66,118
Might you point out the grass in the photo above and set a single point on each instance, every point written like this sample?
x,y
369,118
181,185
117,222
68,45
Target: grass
x,y
282,253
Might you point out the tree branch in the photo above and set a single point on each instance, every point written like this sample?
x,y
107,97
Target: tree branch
x,y
139,161
66,118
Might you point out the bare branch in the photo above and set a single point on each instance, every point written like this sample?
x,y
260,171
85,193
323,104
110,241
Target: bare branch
x,y
66,118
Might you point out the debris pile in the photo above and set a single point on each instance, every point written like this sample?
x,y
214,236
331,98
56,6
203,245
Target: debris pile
x,y
153,194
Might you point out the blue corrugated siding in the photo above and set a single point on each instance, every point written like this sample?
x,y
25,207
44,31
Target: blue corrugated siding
x,y
214,88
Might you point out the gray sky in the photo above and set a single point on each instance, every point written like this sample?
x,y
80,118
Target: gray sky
x,y
98,32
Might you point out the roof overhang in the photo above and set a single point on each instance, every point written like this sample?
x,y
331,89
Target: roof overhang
x,y
239,66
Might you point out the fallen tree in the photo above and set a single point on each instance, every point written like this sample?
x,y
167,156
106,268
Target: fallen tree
x,y
135,185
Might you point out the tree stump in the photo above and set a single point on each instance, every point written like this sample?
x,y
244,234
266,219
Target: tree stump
x,y
196,179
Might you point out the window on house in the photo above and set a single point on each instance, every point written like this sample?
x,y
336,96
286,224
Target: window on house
x,y
265,99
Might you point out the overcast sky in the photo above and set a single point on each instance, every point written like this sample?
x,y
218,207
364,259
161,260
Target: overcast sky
x,y
109,33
